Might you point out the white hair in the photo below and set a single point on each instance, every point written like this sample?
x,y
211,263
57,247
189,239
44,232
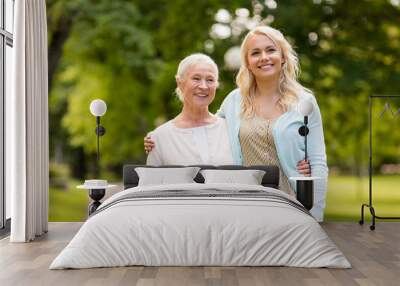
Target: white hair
x,y
188,62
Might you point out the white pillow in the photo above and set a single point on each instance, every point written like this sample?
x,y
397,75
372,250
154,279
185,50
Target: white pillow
x,y
165,176
249,177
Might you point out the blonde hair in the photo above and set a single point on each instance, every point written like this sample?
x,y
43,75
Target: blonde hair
x,y
288,87
188,62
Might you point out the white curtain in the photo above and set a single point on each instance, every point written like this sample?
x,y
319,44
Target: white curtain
x,y
27,155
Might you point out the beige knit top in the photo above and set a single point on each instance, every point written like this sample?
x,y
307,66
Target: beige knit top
x,y
258,147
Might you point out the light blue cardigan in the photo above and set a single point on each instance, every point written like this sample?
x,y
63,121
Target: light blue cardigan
x,y
289,144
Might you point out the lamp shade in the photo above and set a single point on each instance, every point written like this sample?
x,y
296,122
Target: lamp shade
x,y
98,107
306,107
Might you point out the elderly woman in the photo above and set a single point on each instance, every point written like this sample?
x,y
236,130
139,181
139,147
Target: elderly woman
x,y
195,136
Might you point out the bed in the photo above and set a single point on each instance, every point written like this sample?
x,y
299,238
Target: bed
x,y
201,224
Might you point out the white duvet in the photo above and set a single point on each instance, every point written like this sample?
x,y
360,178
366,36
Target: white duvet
x,y
180,231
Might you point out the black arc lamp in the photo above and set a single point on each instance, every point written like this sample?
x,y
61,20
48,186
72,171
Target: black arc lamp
x,y
305,185
98,108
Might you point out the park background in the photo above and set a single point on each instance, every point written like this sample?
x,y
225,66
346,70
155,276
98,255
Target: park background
x,y
126,52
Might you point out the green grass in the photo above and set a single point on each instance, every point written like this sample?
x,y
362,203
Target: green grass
x,y
346,194
344,199
69,204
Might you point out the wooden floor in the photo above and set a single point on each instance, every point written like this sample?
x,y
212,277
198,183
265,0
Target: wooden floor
x,y
374,255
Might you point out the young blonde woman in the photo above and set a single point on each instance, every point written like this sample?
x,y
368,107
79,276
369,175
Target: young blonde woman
x,y
262,115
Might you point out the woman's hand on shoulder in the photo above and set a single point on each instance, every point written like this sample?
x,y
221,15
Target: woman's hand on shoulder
x,y
148,144
304,168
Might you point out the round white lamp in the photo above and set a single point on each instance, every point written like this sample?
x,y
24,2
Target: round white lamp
x,y
306,107
98,107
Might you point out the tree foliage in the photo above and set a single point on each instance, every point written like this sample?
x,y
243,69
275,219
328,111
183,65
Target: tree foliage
x,y
126,53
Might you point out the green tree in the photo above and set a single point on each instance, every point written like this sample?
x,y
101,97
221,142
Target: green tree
x,y
126,52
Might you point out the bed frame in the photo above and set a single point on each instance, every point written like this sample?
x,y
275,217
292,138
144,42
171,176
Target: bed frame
x,y
270,179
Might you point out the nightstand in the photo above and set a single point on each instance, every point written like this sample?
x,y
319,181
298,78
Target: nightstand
x,y
96,193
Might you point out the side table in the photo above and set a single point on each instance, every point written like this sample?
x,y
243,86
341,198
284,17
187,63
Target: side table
x,y
96,193
305,190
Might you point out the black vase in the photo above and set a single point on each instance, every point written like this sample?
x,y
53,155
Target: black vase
x,y
305,193
96,195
